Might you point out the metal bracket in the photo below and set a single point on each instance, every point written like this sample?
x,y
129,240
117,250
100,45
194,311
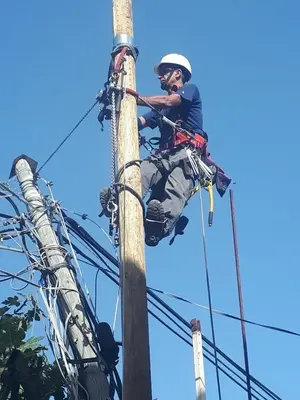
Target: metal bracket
x,y
123,40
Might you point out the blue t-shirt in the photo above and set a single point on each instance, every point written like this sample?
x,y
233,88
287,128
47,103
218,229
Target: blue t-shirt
x,y
189,111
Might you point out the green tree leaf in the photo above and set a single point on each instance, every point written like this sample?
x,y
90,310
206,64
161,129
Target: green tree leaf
x,y
12,333
3,310
12,301
25,360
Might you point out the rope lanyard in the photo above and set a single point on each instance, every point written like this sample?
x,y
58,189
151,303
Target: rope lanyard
x,y
209,294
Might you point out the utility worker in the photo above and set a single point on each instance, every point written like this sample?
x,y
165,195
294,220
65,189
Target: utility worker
x,y
168,173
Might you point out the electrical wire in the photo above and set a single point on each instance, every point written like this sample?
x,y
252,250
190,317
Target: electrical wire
x,y
224,314
160,320
116,311
67,137
240,294
96,290
117,282
22,223
208,358
85,216
19,278
273,396
99,252
262,387
51,308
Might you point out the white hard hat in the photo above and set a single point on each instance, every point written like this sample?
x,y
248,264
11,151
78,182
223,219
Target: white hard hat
x,y
177,59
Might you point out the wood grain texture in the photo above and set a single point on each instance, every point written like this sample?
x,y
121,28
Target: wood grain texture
x,y
136,352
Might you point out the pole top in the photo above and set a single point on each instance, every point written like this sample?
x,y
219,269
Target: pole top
x,y
33,164
195,325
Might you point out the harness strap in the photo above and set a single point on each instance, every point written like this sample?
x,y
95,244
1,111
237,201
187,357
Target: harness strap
x,y
183,137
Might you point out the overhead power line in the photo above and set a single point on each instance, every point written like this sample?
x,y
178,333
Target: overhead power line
x,y
67,137
87,238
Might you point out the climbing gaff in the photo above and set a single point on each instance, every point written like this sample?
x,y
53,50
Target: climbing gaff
x,y
211,204
206,184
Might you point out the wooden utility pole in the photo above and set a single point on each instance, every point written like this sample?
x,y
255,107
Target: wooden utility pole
x,y
136,352
198,360
69,302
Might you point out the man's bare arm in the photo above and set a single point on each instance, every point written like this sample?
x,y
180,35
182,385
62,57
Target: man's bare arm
x,y
171,100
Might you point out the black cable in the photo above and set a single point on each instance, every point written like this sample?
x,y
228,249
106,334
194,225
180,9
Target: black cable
x,y
3,231
208,351
89,312
134,193
126,165
5,187
87,238
118,383
86,244
224,314
205,356
230,369
96,290
6,216
169,317
174,313
207,341
240,369
21,224
98,267
82,254
234,373
160,320
109,270
79,229
12,203
230,377
20,279
170,329
67,137
17,275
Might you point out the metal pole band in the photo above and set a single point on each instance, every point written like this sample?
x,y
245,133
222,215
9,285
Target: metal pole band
x,y
123,39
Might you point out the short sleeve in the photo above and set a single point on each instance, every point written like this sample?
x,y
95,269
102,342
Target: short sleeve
x,y
151,119
187,92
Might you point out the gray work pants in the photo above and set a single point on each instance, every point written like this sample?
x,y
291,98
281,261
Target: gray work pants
x,y
171,179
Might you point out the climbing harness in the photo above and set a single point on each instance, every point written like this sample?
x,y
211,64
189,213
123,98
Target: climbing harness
x,y
180,137
195,145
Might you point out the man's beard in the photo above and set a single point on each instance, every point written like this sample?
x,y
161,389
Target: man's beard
x,y
164,86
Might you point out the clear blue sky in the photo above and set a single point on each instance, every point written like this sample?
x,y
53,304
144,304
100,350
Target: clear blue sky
x,y
245,59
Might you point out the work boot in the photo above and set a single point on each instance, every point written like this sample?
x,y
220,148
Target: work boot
x,y
154,224
104,198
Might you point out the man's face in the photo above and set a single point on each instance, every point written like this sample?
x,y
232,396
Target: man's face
x,y
168,76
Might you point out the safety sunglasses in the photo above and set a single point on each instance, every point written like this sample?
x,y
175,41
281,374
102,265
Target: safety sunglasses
x,y
163,70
